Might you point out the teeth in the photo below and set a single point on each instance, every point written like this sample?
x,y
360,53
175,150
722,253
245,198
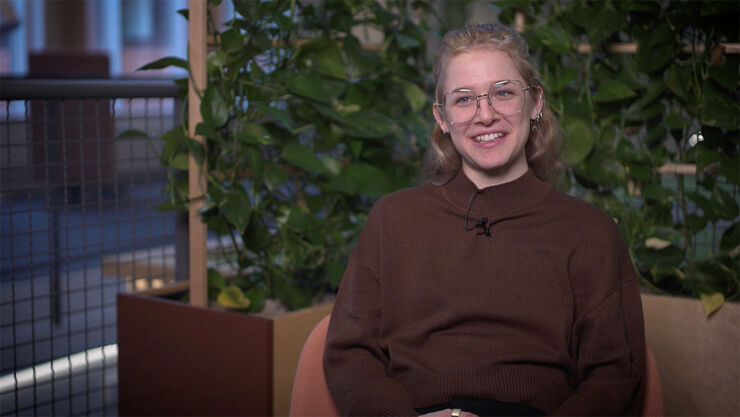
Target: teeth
x,y
489,137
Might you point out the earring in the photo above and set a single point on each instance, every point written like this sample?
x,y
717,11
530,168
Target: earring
x,y
533,122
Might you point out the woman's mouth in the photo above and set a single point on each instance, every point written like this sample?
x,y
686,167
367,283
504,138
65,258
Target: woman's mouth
x,y
488,137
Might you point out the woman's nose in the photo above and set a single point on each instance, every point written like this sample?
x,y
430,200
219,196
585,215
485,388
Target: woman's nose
x,y
486,113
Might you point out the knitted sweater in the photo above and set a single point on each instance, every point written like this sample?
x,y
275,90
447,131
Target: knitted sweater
x,y
545,311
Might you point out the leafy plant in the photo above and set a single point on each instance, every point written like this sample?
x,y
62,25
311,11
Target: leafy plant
x,y
675,99
304,127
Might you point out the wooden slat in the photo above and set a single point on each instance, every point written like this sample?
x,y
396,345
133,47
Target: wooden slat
x,y
279,43
628,47
631,48
196,181
677,169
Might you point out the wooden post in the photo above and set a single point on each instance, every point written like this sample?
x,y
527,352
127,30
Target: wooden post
x,y
196,181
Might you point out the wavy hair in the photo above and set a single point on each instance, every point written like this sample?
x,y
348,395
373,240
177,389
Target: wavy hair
x,y
442,161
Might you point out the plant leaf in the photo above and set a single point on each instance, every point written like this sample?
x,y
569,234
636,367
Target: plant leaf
x,y
237,208
290,294
730,242
216,279
704,204
656,243
725,75
233,297
719,108
303,158
730,168
170,61
279,114
656,50
555,38
311,87
367,124
334,273
364,179
255,134
580,141
612,89
711,302
214,108
180,161
415,95
328,61
274,178
132,133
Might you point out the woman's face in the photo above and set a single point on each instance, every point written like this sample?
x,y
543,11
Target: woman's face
x,y
491,145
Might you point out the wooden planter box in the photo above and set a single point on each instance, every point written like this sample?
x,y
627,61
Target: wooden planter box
x,y
698,357
176,359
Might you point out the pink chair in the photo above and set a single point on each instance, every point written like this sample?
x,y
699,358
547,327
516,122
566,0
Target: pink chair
x,y
311,397
310,394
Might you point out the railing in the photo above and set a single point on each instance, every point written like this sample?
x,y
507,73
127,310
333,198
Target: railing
x,y
78,225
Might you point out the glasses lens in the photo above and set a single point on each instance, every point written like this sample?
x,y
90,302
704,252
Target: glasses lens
x,y
460,106
507,97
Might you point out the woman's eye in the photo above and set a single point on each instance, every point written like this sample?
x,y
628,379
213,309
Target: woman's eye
x,y
464,100
503,94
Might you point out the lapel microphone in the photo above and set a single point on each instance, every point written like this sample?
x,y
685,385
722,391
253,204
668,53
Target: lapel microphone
x,y
482,223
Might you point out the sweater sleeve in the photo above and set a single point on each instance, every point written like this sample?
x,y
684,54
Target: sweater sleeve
x,y
608,333
355,364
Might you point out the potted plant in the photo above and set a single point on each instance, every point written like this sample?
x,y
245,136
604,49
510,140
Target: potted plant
x,y
640,86
304,127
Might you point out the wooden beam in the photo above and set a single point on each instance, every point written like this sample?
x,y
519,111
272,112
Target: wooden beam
x,y
294,43
631,48
676,169
196,181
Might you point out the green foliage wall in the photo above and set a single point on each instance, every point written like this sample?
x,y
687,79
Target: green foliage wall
x,y
674,100
302,136
303,128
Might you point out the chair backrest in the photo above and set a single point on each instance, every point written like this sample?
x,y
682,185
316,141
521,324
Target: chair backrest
x,y
652,405
311,396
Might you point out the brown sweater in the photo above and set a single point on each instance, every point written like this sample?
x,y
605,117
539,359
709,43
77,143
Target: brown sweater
x,y
545,311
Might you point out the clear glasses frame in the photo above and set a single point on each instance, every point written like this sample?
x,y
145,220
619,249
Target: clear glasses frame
x,y
489,99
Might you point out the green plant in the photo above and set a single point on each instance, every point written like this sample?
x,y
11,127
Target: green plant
x,y
674,100
303,128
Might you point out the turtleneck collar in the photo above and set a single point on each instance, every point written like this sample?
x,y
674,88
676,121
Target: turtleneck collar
x,y
511,196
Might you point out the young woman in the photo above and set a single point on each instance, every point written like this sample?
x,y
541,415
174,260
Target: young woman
x,y
485,291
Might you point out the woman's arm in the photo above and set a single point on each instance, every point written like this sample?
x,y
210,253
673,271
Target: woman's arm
x,y
354,364
608,334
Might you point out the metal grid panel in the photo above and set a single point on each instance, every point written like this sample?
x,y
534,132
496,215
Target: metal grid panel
x,y
78,225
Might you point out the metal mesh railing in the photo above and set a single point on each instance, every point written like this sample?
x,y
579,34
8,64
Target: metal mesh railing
x,y
78,225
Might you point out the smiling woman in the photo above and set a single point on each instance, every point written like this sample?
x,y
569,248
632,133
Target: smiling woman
x,y
485,291
490,138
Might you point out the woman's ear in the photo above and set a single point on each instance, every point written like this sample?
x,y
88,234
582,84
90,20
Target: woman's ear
x,y
538,99
440,119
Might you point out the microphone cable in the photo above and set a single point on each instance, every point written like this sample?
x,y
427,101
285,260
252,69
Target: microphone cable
x,y
482,222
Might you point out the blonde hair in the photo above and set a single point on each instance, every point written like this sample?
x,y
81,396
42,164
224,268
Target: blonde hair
x,y
542,150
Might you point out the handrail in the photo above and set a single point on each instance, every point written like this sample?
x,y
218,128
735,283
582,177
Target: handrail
x,y
40,89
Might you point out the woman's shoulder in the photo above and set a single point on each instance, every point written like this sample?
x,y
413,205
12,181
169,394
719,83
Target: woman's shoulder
x,y
587,217
406,198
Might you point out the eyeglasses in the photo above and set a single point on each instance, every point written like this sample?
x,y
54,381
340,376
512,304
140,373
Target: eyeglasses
x,y
461,105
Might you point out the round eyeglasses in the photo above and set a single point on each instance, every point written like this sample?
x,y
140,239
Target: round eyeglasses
x,y
461,105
